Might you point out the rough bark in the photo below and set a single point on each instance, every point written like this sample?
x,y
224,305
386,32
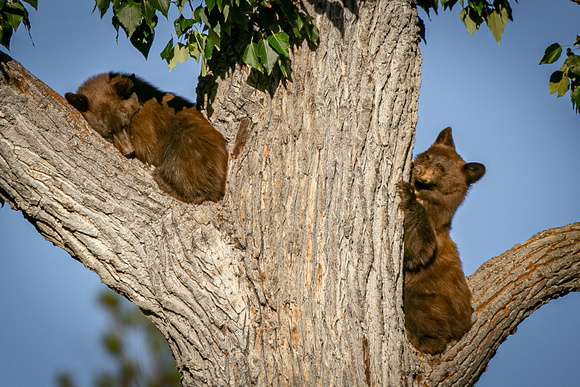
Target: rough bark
x,y
295,277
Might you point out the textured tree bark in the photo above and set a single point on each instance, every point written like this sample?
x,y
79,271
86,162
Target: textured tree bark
x,y
312,198
295,277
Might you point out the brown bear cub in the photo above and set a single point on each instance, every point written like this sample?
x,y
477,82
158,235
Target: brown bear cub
x,y
437,301
160,129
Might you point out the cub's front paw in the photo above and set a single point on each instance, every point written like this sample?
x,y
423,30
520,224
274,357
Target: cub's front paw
x,y
406,192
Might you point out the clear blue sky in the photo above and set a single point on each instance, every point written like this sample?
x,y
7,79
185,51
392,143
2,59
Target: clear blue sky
x,y
495,98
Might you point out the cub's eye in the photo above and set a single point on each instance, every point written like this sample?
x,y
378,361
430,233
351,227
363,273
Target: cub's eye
x,y
441,168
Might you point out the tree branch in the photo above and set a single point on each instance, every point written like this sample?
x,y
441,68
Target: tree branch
x,y
507,289
167,257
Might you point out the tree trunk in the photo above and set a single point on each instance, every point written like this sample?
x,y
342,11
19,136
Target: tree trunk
x,y
295,277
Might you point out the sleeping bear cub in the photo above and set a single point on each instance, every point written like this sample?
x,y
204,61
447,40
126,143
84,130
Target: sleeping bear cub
x,y
160,129
436,301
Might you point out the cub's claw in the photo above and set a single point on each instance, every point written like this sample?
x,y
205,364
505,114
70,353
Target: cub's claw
x,y
405,191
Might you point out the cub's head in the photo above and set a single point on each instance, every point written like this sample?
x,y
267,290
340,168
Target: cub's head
x,y
108,103
441,169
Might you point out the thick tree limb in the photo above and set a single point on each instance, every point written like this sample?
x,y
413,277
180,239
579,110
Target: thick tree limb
x,y
507,289
167,257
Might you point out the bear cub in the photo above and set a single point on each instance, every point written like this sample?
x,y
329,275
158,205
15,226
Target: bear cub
x,y
157,128
436,298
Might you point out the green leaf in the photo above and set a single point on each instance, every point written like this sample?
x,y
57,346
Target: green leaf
x,y
215,38
251,58
575,97
182,25
143,36
551,54
496,21
199,40
571,62
167,51
148,13
288,9
209,44
180,4
280,42
227,27
103,6
129,15
225,10
312,31
201,16
33,3
268,57
180,55
559,83
194,52
471,19
5,34
14,20
161,5
282,67
210,4
478,6
103,3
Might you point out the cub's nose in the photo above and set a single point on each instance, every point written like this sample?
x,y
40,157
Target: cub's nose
x,y
130,155
418,170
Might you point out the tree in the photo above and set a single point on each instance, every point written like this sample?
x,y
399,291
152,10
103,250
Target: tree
x,y
294,277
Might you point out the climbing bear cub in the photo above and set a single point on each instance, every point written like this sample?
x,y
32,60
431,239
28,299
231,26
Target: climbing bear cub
x,y
158,128
437,301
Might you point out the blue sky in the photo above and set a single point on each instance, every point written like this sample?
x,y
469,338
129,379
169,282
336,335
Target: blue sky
x,y
495,98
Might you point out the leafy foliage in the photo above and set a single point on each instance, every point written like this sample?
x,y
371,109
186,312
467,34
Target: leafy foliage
x,y
127,323
137,18
268,27
12,14
568,77
264,28
495,14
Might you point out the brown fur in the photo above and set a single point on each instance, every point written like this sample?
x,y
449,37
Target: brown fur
x,y
437,300
159,129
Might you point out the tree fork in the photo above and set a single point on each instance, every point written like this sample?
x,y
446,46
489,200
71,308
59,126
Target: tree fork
x,y
295,277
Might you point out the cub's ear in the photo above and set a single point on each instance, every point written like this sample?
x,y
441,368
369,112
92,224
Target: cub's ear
x,y
124,88
79,101
473,172
445,138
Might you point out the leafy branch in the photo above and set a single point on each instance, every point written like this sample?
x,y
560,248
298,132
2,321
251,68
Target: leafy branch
x,y
270,27
267,29
568,77
137,18
12,14
495,14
